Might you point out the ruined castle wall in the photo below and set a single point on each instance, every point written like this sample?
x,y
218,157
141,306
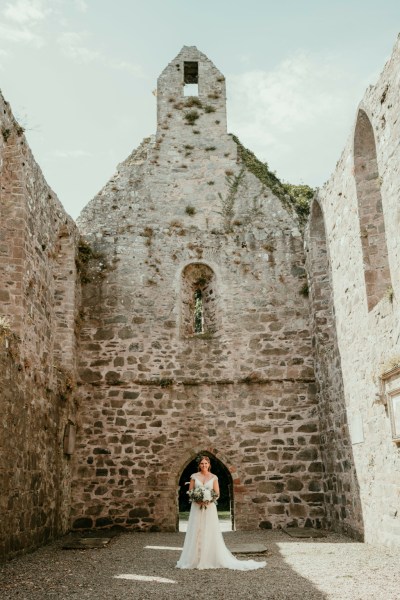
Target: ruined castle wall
x,y
184,211
341,489
38,299
361,214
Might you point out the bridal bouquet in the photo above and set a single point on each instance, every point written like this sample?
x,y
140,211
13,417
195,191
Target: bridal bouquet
x,y
202,496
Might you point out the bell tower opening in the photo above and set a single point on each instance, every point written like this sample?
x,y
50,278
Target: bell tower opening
x,y
191,78
225,504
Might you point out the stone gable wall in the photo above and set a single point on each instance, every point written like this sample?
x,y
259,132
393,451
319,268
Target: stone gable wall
x,y
151,392
38,299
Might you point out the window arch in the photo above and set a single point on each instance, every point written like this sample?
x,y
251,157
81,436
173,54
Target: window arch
x,y
198,293
320,289
370,212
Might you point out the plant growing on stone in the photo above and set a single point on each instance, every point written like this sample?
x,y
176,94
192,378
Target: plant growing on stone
x,y
166,383
190,210
193,101
304,291
293,197
228,201
301,196
390,294
175,223
5,133
148,234
256,211
83,256
209,109
191,117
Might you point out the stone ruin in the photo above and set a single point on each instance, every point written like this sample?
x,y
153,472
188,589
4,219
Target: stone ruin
x,y
191,309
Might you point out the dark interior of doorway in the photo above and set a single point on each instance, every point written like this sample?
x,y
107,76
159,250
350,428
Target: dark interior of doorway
x,y
225,502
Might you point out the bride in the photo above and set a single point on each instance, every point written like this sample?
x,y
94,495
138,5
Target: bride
x,y
204,546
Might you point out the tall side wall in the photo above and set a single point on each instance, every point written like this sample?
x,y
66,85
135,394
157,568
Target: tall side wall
x,y
341,489
360,204
38,305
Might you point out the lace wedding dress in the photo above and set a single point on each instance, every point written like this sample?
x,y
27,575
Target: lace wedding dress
x,y
204,546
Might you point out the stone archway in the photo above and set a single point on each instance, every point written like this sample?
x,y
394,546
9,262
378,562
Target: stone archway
x,y
370,212
226,501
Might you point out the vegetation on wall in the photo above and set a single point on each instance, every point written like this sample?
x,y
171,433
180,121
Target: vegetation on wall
x,y
228,201
5,133
293,197
84,254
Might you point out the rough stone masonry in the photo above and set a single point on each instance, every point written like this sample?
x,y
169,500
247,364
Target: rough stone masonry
x,y
184,215
174,319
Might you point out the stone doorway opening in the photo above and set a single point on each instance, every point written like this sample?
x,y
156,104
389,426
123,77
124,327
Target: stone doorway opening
x,y
225,505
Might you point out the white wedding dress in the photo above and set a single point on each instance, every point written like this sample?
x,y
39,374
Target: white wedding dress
x,y
204,546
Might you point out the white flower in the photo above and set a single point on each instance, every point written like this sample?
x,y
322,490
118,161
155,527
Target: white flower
x,y
207,495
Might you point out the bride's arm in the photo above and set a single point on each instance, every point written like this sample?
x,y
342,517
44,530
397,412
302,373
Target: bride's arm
x,y
216,486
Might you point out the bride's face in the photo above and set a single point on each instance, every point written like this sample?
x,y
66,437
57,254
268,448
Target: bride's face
x,y
204,465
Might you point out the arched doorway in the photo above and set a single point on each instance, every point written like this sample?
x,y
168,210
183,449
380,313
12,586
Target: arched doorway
x,y
225,505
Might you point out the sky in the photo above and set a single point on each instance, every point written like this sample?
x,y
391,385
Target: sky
x,y
80,76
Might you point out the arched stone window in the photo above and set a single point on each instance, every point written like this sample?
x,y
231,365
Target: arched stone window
x,y
370,212
198,315
320,288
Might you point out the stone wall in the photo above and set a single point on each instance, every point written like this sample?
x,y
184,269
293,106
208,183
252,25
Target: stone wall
x,y
194,332
361,214
184,213
38,306
341,489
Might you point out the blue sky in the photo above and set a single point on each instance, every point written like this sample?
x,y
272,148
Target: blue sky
x,y
79,75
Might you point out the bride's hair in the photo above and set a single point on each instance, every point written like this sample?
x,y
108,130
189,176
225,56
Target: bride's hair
x,y
204,457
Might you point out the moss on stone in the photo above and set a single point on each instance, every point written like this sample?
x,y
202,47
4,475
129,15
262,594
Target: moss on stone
x,y
293,197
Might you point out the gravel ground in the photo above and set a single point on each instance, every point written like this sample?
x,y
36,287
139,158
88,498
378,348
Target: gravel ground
x,y
333,568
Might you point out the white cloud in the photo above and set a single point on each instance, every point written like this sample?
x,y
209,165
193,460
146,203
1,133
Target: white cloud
x,y
126,66
20,22
289,114
9,33
81,5
72,46
27,11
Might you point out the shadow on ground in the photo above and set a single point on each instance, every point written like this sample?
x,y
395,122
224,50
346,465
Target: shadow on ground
x,y
142,566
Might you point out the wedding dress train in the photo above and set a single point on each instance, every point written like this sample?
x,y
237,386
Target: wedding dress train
x,y
204,546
